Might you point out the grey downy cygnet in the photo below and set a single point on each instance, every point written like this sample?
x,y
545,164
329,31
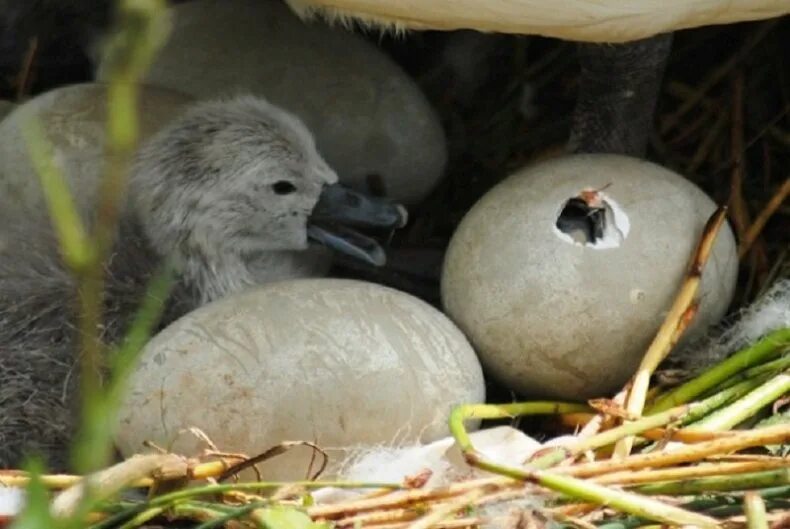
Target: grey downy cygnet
x,y
230,191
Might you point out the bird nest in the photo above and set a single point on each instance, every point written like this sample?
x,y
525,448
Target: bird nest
x,y
674,454
679,463
654,454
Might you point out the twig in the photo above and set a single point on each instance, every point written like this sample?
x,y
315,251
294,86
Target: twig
x,y
111,480
705,146
570,486
603,421
762,219
654,434
553,456
378,517
717,75
25,77
460,523
701,409
739,213
442,512
676,321
274,452
407,498
748,438
687,472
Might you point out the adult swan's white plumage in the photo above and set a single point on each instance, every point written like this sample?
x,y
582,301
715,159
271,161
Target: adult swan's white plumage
x,y
619,84
231,191
580,20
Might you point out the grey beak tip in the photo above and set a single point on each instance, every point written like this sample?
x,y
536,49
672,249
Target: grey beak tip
x,y
339,209
404,215
378,257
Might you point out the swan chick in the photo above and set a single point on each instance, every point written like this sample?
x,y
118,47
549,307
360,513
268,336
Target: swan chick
x,y
231,191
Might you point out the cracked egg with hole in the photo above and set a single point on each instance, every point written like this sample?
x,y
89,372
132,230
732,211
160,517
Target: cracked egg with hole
x,y
561,275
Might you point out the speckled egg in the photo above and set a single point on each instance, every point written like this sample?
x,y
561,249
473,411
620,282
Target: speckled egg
x,y
336,362
370,120
561,274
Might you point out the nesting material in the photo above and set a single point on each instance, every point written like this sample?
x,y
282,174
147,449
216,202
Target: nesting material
x,y
440,461
561,274
502,444
337,362
769,312
371,122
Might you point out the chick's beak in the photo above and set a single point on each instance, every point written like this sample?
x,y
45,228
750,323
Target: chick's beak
x,y
340,209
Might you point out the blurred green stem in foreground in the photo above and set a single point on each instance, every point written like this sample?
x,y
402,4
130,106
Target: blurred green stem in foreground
x,y
141,29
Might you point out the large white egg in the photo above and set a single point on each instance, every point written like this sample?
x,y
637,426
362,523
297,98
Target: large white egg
x,y
371,121
555,313
337,362
74,122
5,108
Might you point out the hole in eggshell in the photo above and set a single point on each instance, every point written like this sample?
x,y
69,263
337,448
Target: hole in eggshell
x,y
376,185
592,219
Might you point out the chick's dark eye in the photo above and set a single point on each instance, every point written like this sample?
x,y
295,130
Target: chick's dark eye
x,y
283,187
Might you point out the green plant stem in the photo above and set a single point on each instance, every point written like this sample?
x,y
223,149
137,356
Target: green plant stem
x,y
235,514
142,517
746,406
124,358
178,496
623,501
265,485
764,350
749,481
772,367
714,402
704,407
202,513
141,30
754,506
611,436
717,506
735,442
681,414
725,511
75,247
464,412
552,457
567,485
35,513
696,412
